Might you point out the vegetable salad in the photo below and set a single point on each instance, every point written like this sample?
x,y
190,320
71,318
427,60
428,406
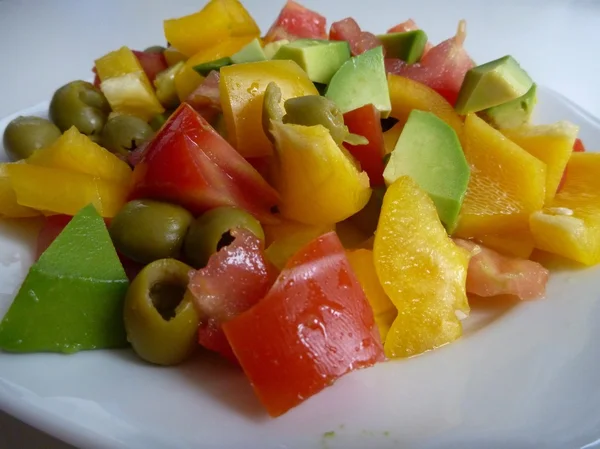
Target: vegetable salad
x,y
304,203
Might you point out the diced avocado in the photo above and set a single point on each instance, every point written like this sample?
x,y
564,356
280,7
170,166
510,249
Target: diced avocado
x,y
273,47
72,297
408,46
319,58
361,80
252,52
206,67
513,114
429,151
492,84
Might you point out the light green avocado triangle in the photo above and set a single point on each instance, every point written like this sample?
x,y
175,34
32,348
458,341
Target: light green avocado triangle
x,y
72,297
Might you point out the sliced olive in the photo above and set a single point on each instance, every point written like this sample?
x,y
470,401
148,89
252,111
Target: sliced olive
x,y
155,49
124,133
311,110
160,318
82,105
212,231
24,135
271,108
147,230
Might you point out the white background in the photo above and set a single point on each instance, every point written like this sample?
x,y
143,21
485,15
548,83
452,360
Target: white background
x,y
44,44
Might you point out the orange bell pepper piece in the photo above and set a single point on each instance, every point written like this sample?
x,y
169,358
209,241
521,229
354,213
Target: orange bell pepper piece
x,y
9,207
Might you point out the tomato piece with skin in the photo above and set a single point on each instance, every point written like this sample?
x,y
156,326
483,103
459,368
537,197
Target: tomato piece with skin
x,y
314,326
235,278
443,68
295,22
409,25
152,63
492,274
348,30
366,121
206,98
190,164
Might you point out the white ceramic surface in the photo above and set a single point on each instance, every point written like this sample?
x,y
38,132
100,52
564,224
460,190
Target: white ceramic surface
x,y
523,377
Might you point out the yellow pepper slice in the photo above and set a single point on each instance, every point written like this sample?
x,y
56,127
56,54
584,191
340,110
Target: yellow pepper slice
x,y
9,207
126,86
570,225
421,270
63,191
242,88
383,309
173,56
317,181
217,21
76,152
288,237
406,95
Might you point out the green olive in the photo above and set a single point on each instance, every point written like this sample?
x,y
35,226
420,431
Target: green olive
x,y
124,133
147,230
211,232
165,86
311,110
271,108
24,135
155,49
160,318
159,120
82,105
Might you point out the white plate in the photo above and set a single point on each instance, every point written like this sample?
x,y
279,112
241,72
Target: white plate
x,y
524,376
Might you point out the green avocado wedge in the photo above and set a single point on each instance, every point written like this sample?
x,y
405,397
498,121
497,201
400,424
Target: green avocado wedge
x,y
72,297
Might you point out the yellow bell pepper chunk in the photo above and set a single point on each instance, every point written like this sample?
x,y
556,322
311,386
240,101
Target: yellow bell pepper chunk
x,y
64,192
406,95
76,152
421,270
126,86
552,144
187,79
317,181
507,183
173,56
9,207
391,136
217,21
242,88
287,238
384,311
570,225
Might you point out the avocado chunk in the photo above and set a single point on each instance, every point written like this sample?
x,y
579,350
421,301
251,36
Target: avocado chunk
x,y
492,84
252,52
408,46
206,67
320,59
429,151
273,47
361,80
512,114
72,297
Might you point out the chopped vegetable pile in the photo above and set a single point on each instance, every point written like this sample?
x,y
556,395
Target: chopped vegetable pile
x,y
304,203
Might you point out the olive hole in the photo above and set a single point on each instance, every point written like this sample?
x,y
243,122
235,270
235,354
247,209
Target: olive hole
x,y
225,240
133,145
165,297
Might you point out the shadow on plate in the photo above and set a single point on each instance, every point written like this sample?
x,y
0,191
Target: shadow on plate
x,y
216,377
